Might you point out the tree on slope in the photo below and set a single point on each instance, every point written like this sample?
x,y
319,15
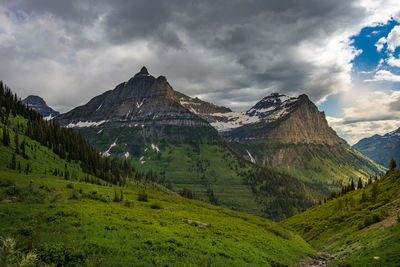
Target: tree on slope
x,y
359,184
392,164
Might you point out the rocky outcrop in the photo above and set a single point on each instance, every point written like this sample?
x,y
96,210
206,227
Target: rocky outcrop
x,y
304,124
297,120
143,99
142,110
39,105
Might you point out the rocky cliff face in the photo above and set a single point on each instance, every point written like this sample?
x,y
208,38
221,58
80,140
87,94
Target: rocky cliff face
x,y
39,105
138,113
300,122
145,114
275,117
143,99
381,148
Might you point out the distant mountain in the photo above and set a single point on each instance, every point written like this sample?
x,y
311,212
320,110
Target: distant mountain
x,y
39,105
161,129
281,118
147,121
381,148
292,135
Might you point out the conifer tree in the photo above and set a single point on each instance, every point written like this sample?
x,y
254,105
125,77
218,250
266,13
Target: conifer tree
x,y
364,197
27,169
116,199
6,137
16,140
375,190
13,162
392,164
359,184
352,186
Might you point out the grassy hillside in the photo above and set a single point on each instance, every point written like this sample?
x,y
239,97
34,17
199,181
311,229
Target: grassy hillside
x,y
360,228
77,223
199,160
322,167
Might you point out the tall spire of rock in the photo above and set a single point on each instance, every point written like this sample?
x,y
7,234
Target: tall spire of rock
x,y
143,71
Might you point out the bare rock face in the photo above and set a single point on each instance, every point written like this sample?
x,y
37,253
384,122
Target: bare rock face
x,y
142,111
304,124
295,120
143,99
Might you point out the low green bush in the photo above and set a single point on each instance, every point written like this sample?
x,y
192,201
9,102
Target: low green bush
x,y
143,196
129,203
156,206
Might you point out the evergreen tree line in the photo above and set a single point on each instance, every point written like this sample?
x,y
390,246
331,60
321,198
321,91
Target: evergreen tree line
x,y
278,193
66,143
351,186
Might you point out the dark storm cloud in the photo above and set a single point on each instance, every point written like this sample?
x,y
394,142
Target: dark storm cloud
x,y
228,52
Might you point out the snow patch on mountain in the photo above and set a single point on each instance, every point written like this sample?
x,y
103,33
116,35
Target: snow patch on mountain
x,y
83,124
231,120
138,105
107,152
251,157
155,147
269,109
47,118
99,107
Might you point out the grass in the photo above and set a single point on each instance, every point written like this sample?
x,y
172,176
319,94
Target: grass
x,y
69,222
358,228
212,167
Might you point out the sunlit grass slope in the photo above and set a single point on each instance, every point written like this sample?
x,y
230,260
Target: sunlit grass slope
x,y
360,228
68,222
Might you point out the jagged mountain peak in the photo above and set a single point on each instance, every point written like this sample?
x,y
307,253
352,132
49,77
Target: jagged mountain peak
x,y
142,97
39,105
143,71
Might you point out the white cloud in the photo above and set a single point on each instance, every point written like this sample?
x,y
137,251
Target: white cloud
x,y
69,51
354,132
393,39
380,44
394,62
367,113
384,75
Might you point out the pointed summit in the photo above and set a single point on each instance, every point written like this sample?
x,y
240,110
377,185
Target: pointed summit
x,y
143,71
39,105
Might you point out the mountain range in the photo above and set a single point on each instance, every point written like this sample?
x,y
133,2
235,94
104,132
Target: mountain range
x,y
211,149
52,180
381,148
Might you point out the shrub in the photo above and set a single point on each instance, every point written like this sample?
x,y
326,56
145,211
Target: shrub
x,y
8,255
155,206
60,255
70,186
142,196
6,182
370,219
129,203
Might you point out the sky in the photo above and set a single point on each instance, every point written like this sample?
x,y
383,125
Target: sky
x,y
344,54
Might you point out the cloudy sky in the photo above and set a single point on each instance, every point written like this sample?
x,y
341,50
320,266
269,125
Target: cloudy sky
x,y
344,54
